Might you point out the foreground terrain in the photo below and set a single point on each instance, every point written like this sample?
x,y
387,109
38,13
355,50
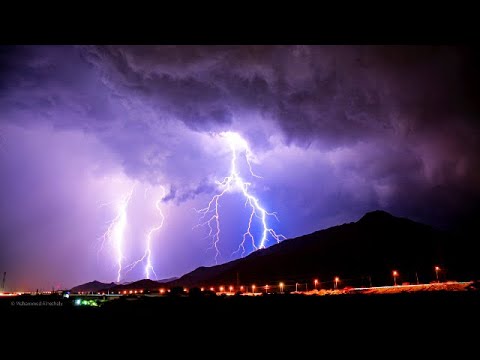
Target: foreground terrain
x,y
425,322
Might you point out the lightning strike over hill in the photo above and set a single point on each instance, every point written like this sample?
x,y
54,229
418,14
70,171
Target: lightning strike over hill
x,y
115,234
147,256
233,182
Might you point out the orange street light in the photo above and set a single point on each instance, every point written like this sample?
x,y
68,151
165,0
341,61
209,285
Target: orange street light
x,y
241,288
395,274
231,288
281,287
315,282
212,289
253,289
337,279
437,269
221,288
266,289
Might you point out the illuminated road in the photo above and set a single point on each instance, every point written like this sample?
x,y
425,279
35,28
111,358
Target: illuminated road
x,y
269,289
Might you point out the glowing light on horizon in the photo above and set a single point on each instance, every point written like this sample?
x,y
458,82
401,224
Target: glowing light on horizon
x,y
234,181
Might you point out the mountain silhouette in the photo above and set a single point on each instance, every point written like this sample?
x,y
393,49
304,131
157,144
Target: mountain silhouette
x,y
137,285
93,286
97,286
360,253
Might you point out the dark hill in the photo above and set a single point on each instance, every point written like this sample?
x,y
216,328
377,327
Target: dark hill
x,y
96,286
92,286
140,285
369,249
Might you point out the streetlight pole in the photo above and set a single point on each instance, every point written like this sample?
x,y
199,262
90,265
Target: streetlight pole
x,y
395,274
281,287
337,279
253,289
296,287
437,269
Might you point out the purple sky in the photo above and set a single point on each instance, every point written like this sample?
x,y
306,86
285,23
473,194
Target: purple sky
x,y
335,130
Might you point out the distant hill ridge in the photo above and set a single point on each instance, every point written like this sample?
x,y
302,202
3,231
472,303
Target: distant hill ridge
x,y
97,286
360,253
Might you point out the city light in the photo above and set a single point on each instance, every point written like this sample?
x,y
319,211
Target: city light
x,y
337,279
230,288
437,269
253,288
281,287
315,282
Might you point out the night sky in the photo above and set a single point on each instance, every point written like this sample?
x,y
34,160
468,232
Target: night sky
x,y
334,132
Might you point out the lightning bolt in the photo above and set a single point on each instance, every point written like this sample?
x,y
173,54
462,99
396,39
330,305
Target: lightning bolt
x,y
115,233
234,181
148,240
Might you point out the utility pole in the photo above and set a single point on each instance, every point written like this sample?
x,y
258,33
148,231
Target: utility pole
x,y
370,280
3,282
416,275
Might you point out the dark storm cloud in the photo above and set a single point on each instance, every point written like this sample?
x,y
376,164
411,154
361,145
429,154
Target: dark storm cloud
x,y
200,104
55,85
181,195
337,93
327,95
421,100
171,194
